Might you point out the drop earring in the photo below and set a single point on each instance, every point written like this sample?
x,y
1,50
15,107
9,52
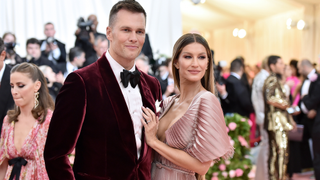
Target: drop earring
x,y
36,101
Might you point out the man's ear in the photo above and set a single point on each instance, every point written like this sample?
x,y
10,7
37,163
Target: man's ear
x,y
3,55
109,33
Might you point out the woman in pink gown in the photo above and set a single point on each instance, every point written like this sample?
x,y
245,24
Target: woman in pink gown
x,y
25,128
191,133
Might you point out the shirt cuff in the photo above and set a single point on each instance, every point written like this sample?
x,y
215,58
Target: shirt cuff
x,y
224,96
304,108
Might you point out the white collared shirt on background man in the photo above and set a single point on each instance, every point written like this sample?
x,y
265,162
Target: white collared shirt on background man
x,y
1,72
133,100
70,69
305,90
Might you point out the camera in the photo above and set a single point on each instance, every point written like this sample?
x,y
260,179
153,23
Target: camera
x,y
217,74
84,25
50,40
85,29
10,48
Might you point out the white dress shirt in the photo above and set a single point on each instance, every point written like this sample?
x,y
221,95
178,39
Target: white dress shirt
x,y
133,100
2,71
257,95
53,55
70,69
305,90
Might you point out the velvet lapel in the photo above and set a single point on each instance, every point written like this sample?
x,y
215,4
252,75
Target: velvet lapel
x,y
119,106
148,101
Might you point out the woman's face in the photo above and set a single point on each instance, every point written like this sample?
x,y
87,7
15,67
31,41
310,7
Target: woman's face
x,y
293,70
8,39
23,89
192,62
287,71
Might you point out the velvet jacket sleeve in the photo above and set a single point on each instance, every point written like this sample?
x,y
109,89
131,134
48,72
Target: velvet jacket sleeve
x,y
65,127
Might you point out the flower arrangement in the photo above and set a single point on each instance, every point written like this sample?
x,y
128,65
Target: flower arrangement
x,y
238,167
72,156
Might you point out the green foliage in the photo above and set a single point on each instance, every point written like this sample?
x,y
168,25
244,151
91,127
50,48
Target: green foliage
x,y
240,160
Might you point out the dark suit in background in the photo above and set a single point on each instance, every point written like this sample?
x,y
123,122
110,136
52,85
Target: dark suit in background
x,y
42,61
6,100
312,126
238,99
62,48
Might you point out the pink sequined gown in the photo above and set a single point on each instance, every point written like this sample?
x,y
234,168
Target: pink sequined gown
x,y
201,132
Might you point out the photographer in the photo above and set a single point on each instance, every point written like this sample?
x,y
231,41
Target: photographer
x,y
12,58
34,55
51,48
86,33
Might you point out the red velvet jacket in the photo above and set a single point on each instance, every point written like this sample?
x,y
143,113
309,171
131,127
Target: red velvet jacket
x,y
91,115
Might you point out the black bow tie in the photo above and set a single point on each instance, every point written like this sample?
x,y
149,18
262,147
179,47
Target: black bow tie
x,y
132,77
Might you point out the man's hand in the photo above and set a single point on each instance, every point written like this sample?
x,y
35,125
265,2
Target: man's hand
x,y
312,114
221,89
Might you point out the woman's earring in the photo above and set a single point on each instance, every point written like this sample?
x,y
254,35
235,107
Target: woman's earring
x,y
36,101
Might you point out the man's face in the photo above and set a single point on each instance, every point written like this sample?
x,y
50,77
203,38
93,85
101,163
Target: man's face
x,y
101,47
126,35
279,67
49,30
34,50
80,60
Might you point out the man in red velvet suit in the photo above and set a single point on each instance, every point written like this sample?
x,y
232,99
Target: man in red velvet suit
x,y
98,110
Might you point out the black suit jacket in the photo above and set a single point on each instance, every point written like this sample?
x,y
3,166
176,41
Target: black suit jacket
x,y
312,101
62,67
62,48
6,100
238,99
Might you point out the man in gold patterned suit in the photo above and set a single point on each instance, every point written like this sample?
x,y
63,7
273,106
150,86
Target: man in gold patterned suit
x,y
277,120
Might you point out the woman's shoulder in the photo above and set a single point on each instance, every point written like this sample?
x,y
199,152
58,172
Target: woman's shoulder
x,y
206,96
48,116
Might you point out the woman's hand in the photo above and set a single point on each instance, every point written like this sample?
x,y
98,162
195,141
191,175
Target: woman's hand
x,y
150,124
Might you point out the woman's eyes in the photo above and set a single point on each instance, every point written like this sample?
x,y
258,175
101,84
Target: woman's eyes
x,y
200,57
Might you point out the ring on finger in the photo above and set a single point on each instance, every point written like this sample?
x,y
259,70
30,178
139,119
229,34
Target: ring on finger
x,y
148,121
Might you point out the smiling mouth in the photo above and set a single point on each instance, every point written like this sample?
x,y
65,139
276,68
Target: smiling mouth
x,y
194,71
132,47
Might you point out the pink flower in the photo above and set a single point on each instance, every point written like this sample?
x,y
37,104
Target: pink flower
x,y
232,126
242,141
232,142
245,166
251,175
212,163
215,174
227,129
249,122
71,159
224,174
214,178
243,120
313,77
73,152
227,162
239,172
222,167
232,173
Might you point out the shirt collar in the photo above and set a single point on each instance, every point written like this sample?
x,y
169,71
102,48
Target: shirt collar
x,y
2,71
235,75
116,67
311,73
70,67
